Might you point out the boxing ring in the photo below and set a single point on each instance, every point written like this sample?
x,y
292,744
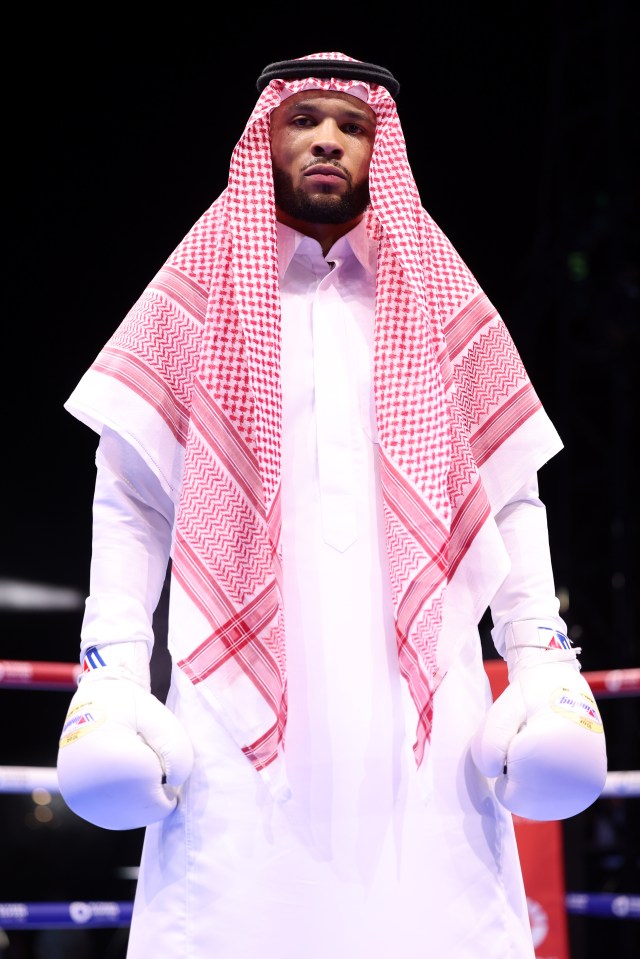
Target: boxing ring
x,y
540,844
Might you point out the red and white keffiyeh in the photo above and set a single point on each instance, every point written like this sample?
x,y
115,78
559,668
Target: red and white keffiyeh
x,y
192,378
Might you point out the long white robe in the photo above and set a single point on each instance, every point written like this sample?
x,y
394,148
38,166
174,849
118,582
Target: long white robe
x,y
365,857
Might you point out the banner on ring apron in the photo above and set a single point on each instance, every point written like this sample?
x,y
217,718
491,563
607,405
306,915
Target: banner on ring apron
x,y
542,859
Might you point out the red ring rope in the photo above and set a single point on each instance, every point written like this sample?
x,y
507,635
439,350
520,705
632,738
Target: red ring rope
x,y
48,675
38,675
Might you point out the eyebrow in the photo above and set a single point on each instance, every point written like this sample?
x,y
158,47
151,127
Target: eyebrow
x,y
310,106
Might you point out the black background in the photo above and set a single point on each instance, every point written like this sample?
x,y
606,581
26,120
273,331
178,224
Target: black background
x,y
522,130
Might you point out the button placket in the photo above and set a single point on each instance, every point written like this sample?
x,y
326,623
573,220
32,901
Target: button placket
x,y
333,403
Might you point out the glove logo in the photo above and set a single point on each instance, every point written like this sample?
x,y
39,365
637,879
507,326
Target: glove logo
x,y
81,720
92,660
577,706
553,639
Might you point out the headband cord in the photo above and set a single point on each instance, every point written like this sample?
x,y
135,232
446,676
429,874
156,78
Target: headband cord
x,y
323,69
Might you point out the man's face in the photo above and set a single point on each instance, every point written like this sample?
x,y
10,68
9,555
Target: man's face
x,y
321,146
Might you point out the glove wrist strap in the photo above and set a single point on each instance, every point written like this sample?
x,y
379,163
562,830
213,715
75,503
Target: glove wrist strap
x,y
117,661
536,642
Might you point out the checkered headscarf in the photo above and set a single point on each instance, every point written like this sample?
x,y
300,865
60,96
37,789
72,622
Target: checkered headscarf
x,y
202,348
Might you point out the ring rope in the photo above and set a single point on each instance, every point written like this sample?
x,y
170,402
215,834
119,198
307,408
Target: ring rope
x,y
68,915
24,779
65,676
16,674
609,683
610,905
604,683
622,784
64,915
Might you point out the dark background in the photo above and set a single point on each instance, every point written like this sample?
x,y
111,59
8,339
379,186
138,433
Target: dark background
x,y
522,130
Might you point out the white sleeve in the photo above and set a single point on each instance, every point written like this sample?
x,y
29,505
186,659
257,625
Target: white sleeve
x,y
528,591
131,546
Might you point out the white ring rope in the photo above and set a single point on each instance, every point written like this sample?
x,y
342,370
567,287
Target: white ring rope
x,y
24,779
622,784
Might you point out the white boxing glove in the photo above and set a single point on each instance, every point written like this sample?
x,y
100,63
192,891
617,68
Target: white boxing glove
x,y
543,739
123,754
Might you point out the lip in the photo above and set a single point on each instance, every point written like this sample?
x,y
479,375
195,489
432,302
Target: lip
x,y
326,170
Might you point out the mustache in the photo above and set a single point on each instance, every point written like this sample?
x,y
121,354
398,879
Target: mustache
x,y
322,162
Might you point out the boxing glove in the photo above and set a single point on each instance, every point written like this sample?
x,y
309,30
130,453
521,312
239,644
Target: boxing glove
x,y
123,755
542,739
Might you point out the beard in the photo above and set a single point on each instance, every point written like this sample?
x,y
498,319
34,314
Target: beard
x,y
319,208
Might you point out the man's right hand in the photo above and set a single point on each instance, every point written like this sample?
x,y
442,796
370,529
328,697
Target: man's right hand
x,y
123,755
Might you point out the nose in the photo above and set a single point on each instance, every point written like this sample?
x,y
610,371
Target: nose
x,y
327,140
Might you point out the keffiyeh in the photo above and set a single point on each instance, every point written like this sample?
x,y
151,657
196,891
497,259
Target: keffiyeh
x,y
192,378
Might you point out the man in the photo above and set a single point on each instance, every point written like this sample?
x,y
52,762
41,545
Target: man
x,y
314,410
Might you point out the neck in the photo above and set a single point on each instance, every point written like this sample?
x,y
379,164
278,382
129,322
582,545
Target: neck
x,y
325,233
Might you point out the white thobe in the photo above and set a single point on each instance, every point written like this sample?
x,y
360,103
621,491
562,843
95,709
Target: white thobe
x,y
360,860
